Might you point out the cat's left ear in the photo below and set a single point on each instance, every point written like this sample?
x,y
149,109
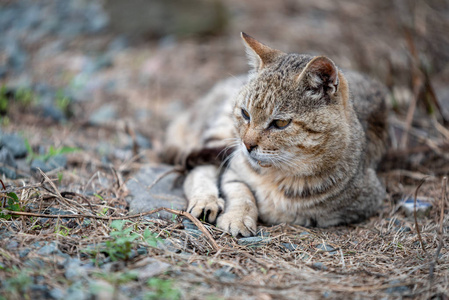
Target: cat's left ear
x,y
321,71
259,55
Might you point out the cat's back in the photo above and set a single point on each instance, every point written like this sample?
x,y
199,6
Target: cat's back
x,y
207,123
369,100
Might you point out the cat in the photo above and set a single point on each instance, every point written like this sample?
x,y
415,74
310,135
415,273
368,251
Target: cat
x,y
300,141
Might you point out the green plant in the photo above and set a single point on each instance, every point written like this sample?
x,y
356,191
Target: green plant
x,y
25,96
63,102
122,241
62,230
4,101
18,283
52,151
12,204
162,289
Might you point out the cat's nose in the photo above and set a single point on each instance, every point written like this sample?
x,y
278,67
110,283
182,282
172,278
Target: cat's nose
x,y
250,146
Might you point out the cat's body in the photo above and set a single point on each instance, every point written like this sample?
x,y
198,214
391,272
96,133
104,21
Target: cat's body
x,y
306,140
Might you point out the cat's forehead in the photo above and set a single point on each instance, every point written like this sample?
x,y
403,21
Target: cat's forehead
x,y
274,85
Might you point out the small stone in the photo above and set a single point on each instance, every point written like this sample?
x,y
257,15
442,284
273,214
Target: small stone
x,y
103,115
53,113
167,192
39,164
289,246
39,291
6,158
319,266
24,252
15,144
57,161
74,270
255,241
189,224
51,248
9,173
224,275
422,207
400,289
142,251
57,294
152,268
194,232
403,229
12,245
326,248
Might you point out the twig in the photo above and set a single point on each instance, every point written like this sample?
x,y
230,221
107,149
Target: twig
x,y
414,215
173,211
440,231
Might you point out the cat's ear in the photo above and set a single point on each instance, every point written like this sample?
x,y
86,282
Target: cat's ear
x,y
259,55
321,72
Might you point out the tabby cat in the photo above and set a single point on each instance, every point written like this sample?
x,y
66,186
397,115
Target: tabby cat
x,y
301,138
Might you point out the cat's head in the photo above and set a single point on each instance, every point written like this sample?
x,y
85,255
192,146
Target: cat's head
x,y
294,112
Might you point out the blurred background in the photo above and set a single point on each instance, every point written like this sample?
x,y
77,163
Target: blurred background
x,y
107,76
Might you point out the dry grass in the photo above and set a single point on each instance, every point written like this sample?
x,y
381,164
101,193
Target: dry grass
x,y
381,257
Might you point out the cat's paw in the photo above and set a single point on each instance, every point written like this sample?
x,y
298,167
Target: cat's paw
x,y
237,223
207,207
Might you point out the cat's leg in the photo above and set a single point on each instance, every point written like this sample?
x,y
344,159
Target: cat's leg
x,y
240,216
201,190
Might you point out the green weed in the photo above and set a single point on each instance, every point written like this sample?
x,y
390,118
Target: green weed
x,y
12,204
52,151
162,289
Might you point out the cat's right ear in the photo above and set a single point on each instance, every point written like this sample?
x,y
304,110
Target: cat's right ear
x,y
259,55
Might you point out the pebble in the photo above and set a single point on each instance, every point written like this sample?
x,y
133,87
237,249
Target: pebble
x,y
51,248
39,164
9,173
319,266
326,248
52,112
57,161
189,224
6,158
152,268
289,246
103,115
74,269
401,289
422,207
142,200
224,275
194,232
254,241
15,144
57,294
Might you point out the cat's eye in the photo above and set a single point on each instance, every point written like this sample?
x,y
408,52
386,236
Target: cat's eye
x,y
245,115
280,124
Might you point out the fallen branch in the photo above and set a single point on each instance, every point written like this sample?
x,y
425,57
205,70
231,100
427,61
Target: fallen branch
x,y
80,216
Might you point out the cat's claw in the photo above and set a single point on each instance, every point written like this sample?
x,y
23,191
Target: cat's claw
x,y
207,207
236,223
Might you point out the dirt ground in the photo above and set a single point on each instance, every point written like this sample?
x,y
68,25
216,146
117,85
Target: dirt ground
x,y
147,83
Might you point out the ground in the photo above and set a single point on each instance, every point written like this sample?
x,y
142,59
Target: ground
x,y
84,104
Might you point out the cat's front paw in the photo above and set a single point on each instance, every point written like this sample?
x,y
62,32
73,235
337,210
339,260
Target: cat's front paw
x,y
207,207
237,223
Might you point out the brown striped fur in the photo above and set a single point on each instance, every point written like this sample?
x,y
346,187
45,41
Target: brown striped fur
x,y
318,170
